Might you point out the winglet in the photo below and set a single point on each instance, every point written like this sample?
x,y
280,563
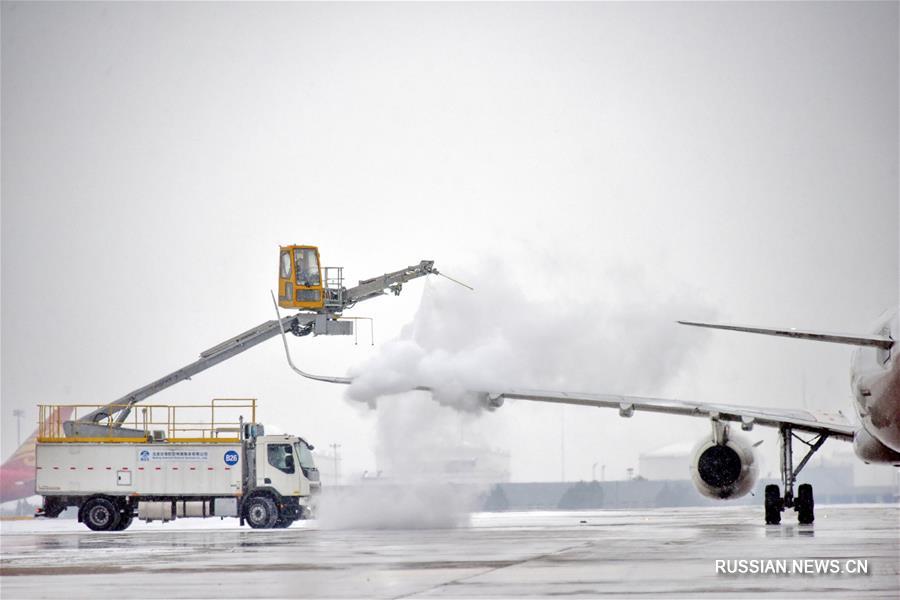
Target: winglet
x,y
879,341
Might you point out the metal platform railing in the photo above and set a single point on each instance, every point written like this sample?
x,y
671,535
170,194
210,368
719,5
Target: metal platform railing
x,y
334,288
218,421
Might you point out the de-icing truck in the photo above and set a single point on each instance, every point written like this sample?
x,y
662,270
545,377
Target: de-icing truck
x,y
177,469
118,461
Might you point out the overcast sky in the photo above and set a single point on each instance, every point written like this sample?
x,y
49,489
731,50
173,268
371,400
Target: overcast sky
x,y
154,156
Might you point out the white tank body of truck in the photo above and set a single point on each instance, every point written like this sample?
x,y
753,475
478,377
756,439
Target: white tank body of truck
x,y
140,469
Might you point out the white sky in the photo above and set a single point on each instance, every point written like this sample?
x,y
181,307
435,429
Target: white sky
x,y
155,155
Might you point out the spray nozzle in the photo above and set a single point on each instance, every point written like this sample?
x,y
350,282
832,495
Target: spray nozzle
x,y
436,272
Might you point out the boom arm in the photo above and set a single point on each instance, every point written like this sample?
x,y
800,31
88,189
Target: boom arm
x,y
121,407
317,323
370,288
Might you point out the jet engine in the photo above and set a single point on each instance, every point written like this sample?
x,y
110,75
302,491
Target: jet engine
x,y
724,465
871,450
490,401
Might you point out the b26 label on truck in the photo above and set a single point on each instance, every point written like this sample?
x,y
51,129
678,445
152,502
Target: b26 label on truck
x,y
231,458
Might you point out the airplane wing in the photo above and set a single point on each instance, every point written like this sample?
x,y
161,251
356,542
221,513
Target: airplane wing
x,y
879,341
835,425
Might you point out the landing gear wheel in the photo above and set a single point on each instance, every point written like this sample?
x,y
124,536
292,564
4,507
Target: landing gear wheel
x,y
773,505
805,505
124,522
261,513
99,514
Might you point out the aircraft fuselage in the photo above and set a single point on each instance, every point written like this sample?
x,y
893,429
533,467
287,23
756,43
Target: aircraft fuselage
x,y
875,380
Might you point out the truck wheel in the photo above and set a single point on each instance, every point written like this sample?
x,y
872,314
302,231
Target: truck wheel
x,y
124,522
283,522
99,514
261,513
53,507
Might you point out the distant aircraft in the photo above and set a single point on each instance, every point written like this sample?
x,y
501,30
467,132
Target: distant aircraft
x,y
17,473
724,465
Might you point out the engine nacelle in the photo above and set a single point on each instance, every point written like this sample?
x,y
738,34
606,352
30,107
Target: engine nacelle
x,y
724,468
871,450
491,401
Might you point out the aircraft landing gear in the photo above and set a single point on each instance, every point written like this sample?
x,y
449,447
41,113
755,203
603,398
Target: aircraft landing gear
x,y
803,504
774,505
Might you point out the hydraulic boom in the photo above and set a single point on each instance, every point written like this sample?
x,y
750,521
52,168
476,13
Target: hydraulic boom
x,y
300,279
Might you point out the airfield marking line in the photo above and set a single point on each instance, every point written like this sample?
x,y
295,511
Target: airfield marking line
x,y
492,569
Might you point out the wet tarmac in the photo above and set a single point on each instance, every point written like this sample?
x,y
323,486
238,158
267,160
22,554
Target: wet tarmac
x,y
638,554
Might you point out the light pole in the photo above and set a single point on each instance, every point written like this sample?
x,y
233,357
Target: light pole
x,y
594,472
18,414
337,463
562,444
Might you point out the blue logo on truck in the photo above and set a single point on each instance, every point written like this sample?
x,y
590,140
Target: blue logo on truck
x,y
231,457
145,455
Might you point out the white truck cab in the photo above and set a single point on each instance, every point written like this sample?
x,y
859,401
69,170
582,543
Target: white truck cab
x,y
283,470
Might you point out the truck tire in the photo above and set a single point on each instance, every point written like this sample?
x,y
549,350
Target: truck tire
x,y
124,522
283,522
53,507
100,514
261,513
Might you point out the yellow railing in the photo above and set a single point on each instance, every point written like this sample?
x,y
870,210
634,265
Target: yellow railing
x,y
178,423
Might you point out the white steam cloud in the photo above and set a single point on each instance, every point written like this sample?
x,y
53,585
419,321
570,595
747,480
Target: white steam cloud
x,y
623,339
509,333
